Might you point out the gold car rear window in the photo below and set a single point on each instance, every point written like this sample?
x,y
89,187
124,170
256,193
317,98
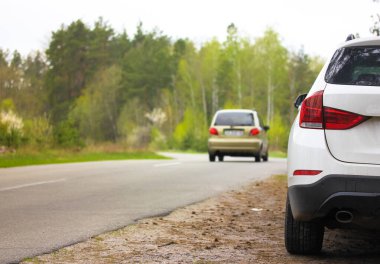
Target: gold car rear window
x,y
234,119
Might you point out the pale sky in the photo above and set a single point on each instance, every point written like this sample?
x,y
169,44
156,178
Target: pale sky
x,y
319,25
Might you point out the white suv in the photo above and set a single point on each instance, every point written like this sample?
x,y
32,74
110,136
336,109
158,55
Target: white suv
x,y
334,149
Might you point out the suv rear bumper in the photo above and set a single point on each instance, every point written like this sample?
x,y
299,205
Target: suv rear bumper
x,y
358,194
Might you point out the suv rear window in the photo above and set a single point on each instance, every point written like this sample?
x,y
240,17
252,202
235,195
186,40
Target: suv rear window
x,y
355,66
234,119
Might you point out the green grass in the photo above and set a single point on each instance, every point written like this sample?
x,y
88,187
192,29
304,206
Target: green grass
x,y
277,154
58,156
188,151
30,157
31,260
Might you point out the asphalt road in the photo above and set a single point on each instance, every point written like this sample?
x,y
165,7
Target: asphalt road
x,y
43,208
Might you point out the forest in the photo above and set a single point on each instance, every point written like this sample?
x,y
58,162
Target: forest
x,y
93,85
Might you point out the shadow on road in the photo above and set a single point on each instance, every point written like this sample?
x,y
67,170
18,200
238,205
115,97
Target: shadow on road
x,y
349,246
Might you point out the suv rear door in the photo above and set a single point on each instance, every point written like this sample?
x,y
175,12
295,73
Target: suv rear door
x,y
353,88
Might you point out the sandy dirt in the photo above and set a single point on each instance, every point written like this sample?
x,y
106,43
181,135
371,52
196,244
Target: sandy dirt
x,y
241,226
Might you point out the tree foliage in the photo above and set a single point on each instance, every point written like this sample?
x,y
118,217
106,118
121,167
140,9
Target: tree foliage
x,y
94,85
96,111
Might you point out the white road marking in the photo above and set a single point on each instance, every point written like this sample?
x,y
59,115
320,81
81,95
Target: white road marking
x,y
166,164
30,185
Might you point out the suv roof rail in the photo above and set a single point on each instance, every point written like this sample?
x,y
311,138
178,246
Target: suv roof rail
x,y
350,37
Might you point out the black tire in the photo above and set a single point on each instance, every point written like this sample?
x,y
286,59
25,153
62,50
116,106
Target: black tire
x,y
265,157
220,157
302,237
211,157
257,158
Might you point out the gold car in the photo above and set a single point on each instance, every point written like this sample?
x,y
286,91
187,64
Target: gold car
x,y
237,133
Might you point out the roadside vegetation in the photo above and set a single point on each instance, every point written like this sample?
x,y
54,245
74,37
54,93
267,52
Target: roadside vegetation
x,y
278,154
147,91
25,157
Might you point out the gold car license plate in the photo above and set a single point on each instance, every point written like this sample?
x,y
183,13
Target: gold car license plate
x,y
233,133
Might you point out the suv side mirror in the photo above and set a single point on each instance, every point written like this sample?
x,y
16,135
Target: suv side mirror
x,y
299,100
266,128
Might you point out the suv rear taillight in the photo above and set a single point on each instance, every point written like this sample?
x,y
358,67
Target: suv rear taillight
x,y
339,119
311,115
314,115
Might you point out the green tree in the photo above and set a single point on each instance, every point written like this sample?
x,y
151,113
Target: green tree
x,y
95,85
16,60
119,46
69,66
209,56
97,110
147,67
191,133
31,98
131,124
229,72
39,132
271,63
75,54
9,76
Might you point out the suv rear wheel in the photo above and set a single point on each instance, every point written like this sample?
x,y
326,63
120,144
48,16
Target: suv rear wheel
x,y
220,157
302,237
